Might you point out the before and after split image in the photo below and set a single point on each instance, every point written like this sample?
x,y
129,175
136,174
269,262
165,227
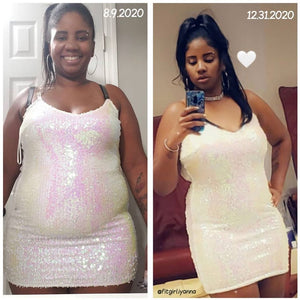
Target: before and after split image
x,y
150,149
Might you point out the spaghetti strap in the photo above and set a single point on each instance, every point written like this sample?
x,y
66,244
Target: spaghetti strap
x,y
19,152
104,91
30,96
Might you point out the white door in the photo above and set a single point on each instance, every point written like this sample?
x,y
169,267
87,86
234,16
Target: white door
x,y
22,48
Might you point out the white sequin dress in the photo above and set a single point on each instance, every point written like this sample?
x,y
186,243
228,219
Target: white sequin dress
x,y
70,226
236,236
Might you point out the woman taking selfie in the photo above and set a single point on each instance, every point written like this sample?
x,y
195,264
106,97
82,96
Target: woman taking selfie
x,y
77,142
236,235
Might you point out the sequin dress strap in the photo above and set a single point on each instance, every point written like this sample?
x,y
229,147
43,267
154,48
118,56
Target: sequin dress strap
x,y
19,152
30,96
104,91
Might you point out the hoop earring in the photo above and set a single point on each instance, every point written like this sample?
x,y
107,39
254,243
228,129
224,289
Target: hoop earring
x,y
50,68
187,83
48,63
91,65
225,81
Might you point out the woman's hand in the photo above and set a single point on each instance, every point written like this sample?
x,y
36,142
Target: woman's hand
x,y
276,195
188,118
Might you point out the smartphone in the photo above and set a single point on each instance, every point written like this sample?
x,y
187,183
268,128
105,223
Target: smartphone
x,y
196,98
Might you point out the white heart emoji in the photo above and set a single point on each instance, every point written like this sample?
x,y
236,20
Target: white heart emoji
x,y
246,59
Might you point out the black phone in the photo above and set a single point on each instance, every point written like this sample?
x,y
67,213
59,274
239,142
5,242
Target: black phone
x,y
196,98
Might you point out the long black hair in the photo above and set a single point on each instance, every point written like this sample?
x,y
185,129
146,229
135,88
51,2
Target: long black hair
x,y
204,26
52,16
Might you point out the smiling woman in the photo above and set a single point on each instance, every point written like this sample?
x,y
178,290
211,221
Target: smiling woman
x,y
72,37
71,45
77,143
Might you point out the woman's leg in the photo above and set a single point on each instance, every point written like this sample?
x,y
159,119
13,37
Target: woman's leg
x,y
272,287
249,291
122,288
16,290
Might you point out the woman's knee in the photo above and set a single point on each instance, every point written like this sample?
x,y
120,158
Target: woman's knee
x,y
273,287
249,291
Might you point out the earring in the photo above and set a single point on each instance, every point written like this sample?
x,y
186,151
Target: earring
x,y
49,64
225,81
93,65
187,83
50,68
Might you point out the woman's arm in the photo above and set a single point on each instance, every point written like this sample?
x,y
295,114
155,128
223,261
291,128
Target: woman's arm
x,y
133,158
278,137
12,124
175,125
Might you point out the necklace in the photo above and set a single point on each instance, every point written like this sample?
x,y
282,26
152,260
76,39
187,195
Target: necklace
x,y
215,98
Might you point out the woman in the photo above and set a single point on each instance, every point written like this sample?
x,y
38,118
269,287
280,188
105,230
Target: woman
x,y
236,234
70,230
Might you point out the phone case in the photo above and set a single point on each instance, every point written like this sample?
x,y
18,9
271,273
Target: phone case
x,y
196,98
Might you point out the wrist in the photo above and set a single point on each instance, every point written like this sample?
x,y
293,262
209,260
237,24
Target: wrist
x,y
171,147
275,187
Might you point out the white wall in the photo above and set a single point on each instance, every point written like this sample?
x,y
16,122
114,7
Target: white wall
x,y
132,68
274,41
132,63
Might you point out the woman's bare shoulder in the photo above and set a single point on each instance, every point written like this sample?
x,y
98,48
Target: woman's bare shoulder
x,y
256,103
18,106
172,112
116,95
175,107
